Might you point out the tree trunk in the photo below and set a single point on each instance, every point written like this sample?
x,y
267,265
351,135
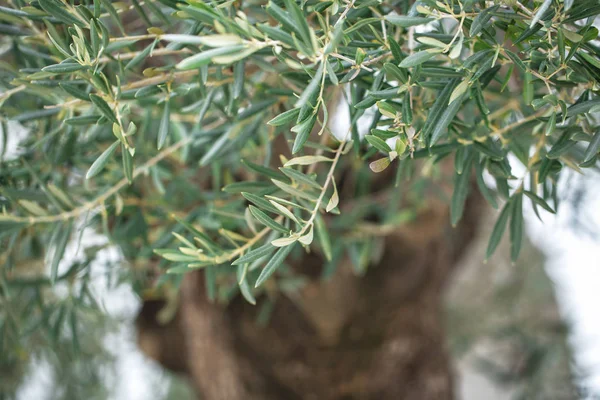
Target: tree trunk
x,y
379,336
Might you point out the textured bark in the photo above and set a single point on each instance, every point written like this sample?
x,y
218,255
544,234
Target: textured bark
x,y
379,336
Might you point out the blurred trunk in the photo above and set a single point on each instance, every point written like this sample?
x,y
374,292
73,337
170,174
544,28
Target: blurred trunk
x,y
379,336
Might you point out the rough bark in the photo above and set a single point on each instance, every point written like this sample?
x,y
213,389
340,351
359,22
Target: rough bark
x,y
379,336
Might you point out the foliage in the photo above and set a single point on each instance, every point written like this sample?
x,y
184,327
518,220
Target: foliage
x,y
158,122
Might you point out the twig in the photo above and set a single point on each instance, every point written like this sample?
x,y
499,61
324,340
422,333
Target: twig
x,y
64,216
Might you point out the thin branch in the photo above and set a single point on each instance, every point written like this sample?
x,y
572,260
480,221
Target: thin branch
x,y
98,201
315,211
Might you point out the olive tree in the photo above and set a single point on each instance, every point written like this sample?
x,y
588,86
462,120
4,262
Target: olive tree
x,y
290,183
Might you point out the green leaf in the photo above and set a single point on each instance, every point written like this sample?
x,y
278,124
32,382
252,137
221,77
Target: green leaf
x,y
101,161
285,117
490,149
380,165
64,68
499,228
481,20
418,58
540,12
59,11
302,194
74,91
60,239
243,284
113,14
396,50
335,198
307,160
404,21
516,227
83,120
592,148
204,58
483,189
583,107
268,221
255,254
274,263
285,241
461,191
266,171
246,186
222,40
303,131
537,200
180,269
163,128
395,73
104,108
311,89
141,56
284,211
259,202
300,21
323,237
378,143
127,163
238,79
301,178
515,59
441,127
440,104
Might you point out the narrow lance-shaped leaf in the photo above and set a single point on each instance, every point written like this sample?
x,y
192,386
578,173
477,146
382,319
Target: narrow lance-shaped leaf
x,y
307,238
537,200
481,20
461,191
274,263
163,129
592,148
498,230
104,108
441,127
418,58
101,161
378,143
255,254
243,284
267,221
285,117
61,238
141,56
335,198
323,237
303,131
59,11
301,178
312,87
516,226
540,12
405,21
206,57
285,241
127,163
64,68
300,21
483,189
